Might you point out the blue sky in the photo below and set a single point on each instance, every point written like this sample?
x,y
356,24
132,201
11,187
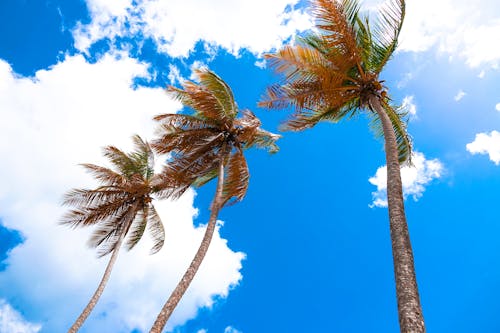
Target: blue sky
x,y
308,250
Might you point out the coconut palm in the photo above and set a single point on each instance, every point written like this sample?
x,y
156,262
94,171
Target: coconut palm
x,y
120,208
205,144
332,74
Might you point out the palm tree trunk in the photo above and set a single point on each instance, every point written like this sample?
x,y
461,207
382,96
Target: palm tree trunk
x,y
183,285
411,319
97,294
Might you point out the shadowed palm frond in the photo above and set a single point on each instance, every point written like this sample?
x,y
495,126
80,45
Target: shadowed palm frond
x,y
156,230
137,227
236,180
106,234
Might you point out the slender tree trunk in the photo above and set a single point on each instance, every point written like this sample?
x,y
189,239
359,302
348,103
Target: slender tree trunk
x,y
97,294
183,285
411,319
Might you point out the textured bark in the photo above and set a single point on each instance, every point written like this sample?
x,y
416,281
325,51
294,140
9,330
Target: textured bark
x,y
183,285
97,294
411,319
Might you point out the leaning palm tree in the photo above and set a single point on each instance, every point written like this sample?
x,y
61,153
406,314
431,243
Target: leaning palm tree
x,y
208,143
121,208
332,74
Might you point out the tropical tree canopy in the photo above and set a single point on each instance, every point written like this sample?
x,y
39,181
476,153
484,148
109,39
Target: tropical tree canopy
x,y
121,205
330,74
214,132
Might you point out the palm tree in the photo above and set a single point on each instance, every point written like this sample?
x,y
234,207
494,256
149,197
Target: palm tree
x,y
333,74
121,208
206,144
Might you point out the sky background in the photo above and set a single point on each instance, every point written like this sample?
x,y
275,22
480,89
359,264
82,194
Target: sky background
x,y
308,249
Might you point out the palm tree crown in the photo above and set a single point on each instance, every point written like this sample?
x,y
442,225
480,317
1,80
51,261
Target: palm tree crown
x,y
122,204
212,134
332,73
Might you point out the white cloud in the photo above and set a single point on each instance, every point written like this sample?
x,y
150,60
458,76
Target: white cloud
x,y
11,321
51,122
414,179
481,74
231,329
460,94
497,107
258,25
456,27
174,75
485,143
409,104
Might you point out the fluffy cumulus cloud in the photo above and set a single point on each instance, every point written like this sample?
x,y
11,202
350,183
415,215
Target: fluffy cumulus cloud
x,y
486,143
176,26
410,106
455,27
11,321
52,122
497,107
414,179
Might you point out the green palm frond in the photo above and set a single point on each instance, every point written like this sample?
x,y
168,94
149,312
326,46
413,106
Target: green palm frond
x,y
222,92
399,119
385,32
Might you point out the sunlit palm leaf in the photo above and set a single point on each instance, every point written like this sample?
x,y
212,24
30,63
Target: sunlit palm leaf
x,y
224,95
386,32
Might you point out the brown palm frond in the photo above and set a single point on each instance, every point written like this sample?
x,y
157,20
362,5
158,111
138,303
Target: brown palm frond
x,y
84,216
103,174
203,102
183,121
106,235
89,198
220,90
237,177
335,21
123,198
181,140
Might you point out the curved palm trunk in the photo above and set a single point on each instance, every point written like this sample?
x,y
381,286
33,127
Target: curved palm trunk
x,y
183,285
97,294
410,312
